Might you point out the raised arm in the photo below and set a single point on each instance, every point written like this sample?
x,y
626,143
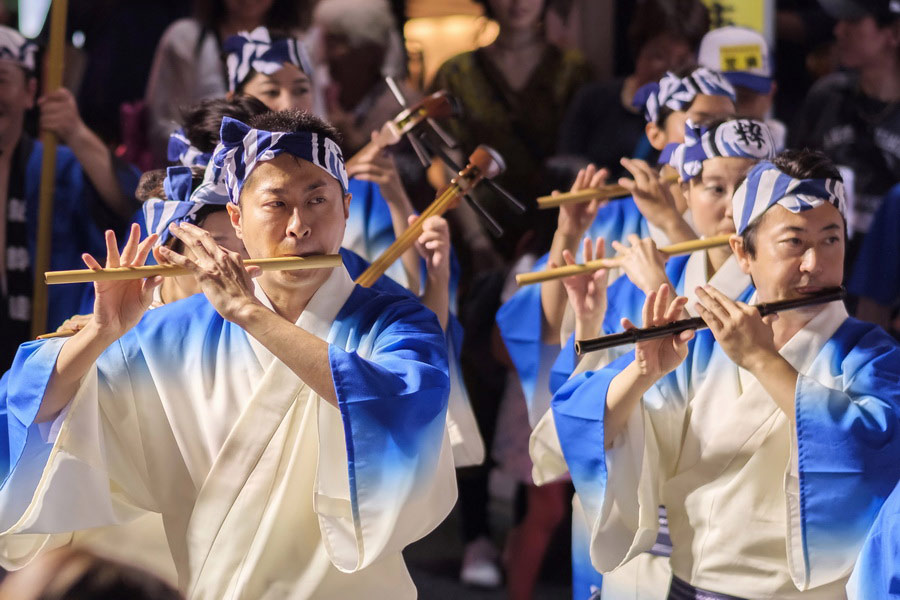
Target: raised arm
x,y
434,246
652,360
378,166
654,199
118,306
59,114
574,221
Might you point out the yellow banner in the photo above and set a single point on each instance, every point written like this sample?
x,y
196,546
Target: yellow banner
x,y
744,13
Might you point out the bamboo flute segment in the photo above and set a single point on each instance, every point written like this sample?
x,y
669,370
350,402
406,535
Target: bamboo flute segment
x,y
406,240
606,192
55,334
53,73
616,261
281,263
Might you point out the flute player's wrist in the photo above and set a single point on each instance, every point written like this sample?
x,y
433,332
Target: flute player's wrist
x,y
96,332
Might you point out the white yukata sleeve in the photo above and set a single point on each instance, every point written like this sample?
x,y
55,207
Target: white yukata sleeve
x,y
392,394
85,469
619,487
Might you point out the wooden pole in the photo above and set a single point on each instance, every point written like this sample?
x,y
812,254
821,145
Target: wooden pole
x,y
53,72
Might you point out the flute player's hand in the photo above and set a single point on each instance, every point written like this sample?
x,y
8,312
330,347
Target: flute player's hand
x,y
119,305
587,292
223,278
656,357
642,263
745,335
576,217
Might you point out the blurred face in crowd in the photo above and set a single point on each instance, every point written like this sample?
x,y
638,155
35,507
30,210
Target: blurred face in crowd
x,y
218,224
796,253
863,42
660,54
248,10
517,14
704,109
752,104
287,88
353,69
709,194
17,94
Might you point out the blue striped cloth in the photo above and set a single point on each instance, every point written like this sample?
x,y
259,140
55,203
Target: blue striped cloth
x,y
258,52
766,186
242,147
677,93
741,138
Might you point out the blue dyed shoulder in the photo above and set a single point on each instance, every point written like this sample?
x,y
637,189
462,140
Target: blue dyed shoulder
x,y
857,343
368,306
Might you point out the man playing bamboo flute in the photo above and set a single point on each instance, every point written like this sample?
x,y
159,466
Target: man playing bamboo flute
x,y
771,441
290,431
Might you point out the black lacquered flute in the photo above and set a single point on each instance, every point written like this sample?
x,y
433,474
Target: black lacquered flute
x,y
632,336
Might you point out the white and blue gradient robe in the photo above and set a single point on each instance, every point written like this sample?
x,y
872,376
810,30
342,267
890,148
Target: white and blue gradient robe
x,y
368,234
756,508
266,490
647,576
877,570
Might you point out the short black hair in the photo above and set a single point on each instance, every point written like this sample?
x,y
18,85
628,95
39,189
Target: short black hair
x,y
202,121
686,20
489,12
150,185
799,164
292,121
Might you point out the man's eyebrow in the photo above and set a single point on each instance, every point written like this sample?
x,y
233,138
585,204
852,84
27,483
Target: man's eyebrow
x,y
316,184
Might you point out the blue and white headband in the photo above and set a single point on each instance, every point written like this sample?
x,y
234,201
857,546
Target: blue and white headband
x,y
677,93
243,147
179,206
180,150
14,47
739,138
212,189
766,186
256,51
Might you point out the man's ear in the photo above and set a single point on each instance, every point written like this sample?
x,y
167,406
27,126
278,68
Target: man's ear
x,y
656,135
234,214
740,252
347,198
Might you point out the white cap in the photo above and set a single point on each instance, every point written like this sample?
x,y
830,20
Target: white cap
x,y
740,54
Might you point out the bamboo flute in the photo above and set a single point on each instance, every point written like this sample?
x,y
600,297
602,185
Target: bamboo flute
x,y
281,263
633,336
616,261
606,192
